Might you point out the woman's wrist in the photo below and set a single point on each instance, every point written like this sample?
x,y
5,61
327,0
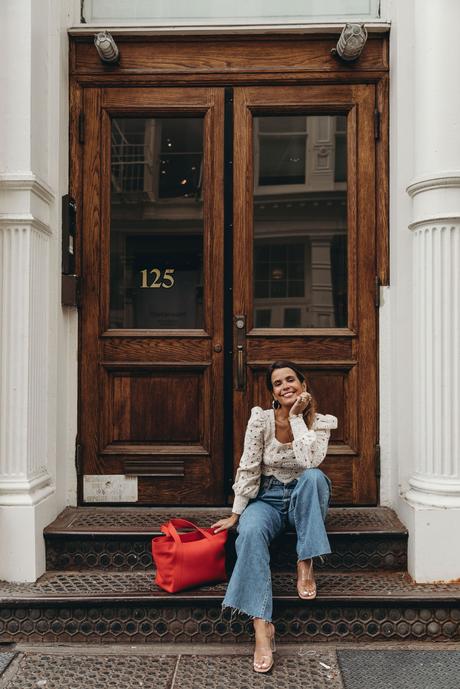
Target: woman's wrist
x,y
296,416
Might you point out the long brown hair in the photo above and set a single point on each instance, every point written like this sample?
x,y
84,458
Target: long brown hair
x,y
310,412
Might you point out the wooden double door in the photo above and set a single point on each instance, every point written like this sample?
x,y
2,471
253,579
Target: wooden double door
x,y
222,229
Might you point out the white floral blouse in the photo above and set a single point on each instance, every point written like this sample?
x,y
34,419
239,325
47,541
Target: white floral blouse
x,y
264,455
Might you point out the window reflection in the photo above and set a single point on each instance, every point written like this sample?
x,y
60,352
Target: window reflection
x,y
300,221
156,233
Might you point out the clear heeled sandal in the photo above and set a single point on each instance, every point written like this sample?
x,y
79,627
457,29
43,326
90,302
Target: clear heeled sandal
x,y
306,585
266,661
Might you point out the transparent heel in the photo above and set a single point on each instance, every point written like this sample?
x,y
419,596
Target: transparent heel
x,y
264,662
306,585
272,640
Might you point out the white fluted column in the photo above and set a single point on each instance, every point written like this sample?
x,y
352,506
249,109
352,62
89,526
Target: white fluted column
x,y
24,479
433,498
436,480
29,272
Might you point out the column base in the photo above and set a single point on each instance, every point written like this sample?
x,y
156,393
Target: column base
x,y
25,491
21,539
433,491
433,553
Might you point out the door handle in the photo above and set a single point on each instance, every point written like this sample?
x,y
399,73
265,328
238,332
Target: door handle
x,y
240,377
240,336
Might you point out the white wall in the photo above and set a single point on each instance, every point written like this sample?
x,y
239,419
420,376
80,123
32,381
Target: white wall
x,y
396,310
65,383
38,369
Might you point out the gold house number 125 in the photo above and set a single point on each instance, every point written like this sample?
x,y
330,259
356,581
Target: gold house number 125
x,y
160,279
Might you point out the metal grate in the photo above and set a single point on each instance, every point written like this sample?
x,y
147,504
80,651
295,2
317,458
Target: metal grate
x,y
133,552
235,672
331,586
198,622
400,669
80,671
75,519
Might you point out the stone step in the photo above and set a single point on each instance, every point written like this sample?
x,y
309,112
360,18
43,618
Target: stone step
x,y
129,607
119,539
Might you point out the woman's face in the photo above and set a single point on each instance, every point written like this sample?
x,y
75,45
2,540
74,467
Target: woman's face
x,y
286,386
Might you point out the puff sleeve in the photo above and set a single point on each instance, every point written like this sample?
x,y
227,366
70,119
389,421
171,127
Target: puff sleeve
x,y
247,478
310,445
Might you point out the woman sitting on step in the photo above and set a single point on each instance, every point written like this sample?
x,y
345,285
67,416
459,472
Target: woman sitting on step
x,y
277,485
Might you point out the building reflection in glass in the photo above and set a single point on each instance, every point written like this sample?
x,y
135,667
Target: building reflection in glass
x,y
156,231
300,221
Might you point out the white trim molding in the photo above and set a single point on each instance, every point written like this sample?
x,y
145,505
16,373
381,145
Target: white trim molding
x,y
26,181
443,219
212,29
25,200
434,491
20,491
441,180
24,220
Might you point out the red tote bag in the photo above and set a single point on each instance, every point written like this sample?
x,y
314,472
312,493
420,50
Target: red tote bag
x,y
185,560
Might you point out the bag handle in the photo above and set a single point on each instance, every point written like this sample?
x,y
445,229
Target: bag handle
x,y
170,529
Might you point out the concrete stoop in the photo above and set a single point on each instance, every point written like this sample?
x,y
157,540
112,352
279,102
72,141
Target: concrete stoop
x,y
99,586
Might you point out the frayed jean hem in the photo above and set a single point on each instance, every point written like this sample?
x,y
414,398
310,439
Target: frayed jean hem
x,y
240,611
311,554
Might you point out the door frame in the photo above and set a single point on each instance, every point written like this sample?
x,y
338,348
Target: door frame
x,y
275,59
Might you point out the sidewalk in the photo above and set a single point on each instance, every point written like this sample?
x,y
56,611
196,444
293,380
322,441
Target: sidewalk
x,y
417,665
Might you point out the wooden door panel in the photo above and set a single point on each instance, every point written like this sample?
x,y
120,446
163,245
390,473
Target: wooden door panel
x,y
339,361
151,374
148,412
135,348
154,407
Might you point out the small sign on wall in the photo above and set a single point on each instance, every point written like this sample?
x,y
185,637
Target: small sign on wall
x,y
110,488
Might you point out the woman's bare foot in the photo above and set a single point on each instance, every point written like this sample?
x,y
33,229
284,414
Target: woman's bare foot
x,y
265,645
306,585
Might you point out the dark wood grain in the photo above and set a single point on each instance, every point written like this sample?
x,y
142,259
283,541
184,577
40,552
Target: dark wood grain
x,y
382,225
89,420
237,54
179,349
270,73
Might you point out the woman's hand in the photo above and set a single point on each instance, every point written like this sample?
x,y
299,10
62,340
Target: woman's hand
x,y
226,523
301,403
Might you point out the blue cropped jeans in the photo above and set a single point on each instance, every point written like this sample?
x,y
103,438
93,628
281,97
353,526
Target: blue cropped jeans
x,y
301,504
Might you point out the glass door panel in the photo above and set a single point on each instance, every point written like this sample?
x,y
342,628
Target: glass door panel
x,y
156,232
300,221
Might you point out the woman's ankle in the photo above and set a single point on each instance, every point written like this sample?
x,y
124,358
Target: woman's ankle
x,y
261,626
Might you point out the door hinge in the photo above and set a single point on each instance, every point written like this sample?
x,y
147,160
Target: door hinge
x,y
377,292
377,118
81,128
377,461
78,458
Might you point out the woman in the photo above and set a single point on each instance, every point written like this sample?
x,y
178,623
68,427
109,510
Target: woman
x,y
278,485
